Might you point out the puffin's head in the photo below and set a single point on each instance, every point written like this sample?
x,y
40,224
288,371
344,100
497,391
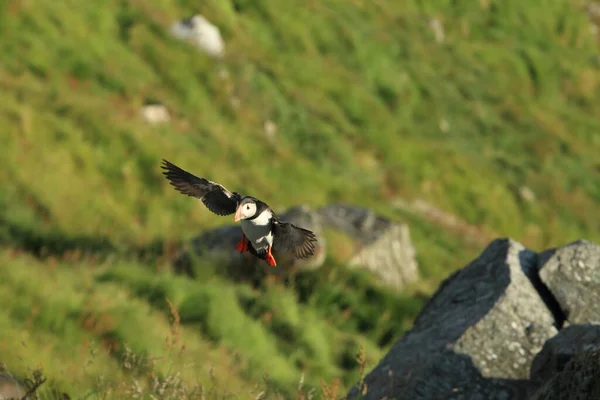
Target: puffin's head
x,y
246,209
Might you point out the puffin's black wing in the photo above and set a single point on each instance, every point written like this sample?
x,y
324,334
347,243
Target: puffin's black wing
x,y
214,196
291,238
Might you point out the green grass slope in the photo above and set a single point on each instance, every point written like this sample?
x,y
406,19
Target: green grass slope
x,y
86,326
369,108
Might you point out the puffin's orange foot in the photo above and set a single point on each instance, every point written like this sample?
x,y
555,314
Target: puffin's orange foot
x,y
270,259
242,246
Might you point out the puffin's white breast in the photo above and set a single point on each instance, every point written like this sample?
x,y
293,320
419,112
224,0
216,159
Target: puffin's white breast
x,y
258,230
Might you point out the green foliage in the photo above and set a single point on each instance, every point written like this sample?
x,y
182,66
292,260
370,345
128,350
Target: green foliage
x,y
353,302
261,325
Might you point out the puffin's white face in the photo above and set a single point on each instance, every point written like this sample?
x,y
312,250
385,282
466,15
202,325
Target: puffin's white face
x,y
245,211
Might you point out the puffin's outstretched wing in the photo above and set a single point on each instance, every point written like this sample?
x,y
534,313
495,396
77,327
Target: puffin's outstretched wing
x,y
289,237
214,196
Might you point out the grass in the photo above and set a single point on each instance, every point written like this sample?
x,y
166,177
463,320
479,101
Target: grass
x,y
125,323
370,109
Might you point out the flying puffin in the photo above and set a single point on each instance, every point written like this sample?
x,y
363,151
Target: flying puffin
x,y
261,228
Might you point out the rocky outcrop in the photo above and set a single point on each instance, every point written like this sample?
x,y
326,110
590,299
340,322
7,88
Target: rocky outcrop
x,y
572,273
580,380
493,330
376,243
559,350
476,338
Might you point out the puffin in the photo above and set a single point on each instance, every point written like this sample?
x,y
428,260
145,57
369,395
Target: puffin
x,y
262,230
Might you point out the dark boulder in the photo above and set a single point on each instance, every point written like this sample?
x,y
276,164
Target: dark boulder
x,y
560,349
579,380
475,339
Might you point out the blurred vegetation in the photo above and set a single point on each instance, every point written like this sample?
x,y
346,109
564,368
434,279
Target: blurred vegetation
x,y
371,107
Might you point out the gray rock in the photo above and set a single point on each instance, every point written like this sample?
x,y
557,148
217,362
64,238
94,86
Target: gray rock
x,y
572,273
155,114
580,380
560,349
201,33
475,339
438,29
306,218
270,128
381,246
593,10
10,388
527,194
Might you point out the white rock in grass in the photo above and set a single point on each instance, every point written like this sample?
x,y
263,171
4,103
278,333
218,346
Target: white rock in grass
x,y
10,388
201,33
155,114
438,30
593,10
527,194
270,128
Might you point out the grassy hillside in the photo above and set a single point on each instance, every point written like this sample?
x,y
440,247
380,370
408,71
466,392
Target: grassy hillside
x,y
81,324
370,108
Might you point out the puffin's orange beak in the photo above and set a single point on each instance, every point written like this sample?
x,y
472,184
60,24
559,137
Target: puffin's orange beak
x,y
238,214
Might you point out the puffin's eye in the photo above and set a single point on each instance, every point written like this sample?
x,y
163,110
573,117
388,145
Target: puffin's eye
x,y
247,206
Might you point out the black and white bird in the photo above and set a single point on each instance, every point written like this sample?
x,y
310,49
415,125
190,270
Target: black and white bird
x,y
262,230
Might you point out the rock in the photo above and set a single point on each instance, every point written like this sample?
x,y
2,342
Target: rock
x,y
10,388
201,33
560,349
270,129
444,125
572,274
303,216
527,194
475,339
219,245
580,380
593,10
438,30
380,245
155,114
235,102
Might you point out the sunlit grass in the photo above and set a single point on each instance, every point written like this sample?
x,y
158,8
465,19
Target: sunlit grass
x,y
462,124
369,108
77,324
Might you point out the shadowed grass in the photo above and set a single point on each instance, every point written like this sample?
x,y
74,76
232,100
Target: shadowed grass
x,y
268,328
87,321
71,316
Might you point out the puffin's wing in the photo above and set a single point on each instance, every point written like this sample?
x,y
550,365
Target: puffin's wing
x,y
291,238
214,196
